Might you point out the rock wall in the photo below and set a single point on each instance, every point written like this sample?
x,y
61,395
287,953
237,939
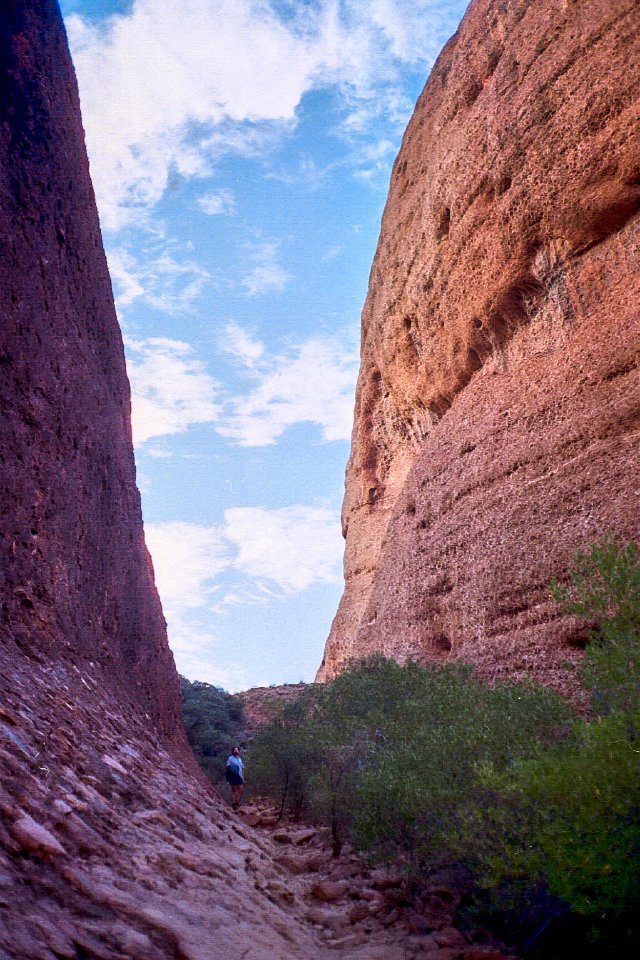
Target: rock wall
x,y
76,581
498,403
111,845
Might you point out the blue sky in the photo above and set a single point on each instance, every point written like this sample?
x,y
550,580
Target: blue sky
x,y
240,151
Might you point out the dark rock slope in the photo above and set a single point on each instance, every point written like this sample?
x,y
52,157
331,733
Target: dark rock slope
x,y
76,579
111,845
498,403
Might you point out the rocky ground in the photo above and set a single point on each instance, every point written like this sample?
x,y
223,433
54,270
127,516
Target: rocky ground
x,y
110,849
358,911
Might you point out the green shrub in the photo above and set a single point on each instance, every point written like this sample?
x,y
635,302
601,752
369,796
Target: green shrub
x,y
420,791
426,766
568,819
283,756
604,588
388,755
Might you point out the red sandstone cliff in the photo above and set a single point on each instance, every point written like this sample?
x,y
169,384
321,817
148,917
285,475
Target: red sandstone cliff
x,y
76,579
498,403
111,845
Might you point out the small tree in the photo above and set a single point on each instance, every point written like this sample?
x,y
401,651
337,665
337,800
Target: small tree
x,y
284,755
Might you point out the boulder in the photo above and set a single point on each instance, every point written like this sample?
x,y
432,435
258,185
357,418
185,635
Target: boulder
x,y
359,912
329,890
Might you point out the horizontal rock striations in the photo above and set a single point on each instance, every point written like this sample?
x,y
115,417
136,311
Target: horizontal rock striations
x,y
497,423
76,580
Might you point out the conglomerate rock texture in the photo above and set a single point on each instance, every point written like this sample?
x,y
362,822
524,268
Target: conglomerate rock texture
x,y
498,404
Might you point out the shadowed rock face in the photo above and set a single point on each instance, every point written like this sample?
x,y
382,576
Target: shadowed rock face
x,y
76,579
498,404
111,845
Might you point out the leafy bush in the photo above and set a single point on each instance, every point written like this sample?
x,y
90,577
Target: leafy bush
x,y
389,755
213,721
568,819
420,791
283,757
605,587
424,766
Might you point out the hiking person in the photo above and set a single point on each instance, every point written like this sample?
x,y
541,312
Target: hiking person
x,y
234,775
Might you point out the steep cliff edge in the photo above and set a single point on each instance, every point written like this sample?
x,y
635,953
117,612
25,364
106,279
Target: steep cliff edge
x,y
498,403
76,579
111,845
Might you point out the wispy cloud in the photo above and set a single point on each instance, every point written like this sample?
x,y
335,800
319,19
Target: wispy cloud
x,y
291,547
167,86
218,202
187,557
375,159
266,274
306,173
161,274
241,345
200,655
171,389
311,382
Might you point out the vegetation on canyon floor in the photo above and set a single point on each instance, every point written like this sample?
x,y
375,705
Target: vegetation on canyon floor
x,y
531,811
213,720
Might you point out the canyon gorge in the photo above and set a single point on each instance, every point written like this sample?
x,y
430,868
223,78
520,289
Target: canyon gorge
x,y
496,431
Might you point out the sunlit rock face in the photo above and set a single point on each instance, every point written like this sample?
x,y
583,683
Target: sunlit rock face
x,y
76,579
498,402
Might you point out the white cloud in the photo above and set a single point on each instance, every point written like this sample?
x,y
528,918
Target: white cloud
x,y
160,275
197,651
307,173
266,274
375,159
127,285
217,202
158,453
242,345
165,86
268,554
171,389
290,548
312,382
187,557
293,547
